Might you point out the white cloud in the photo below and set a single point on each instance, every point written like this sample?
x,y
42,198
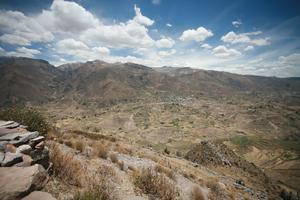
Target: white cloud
x,y
67,16
15,25
167,53
14,40
23,52
80,50
199,35
223,52
237,23
292,59
206,46
232,37
249,48
132,34
156,2
141,19
169,25
165,42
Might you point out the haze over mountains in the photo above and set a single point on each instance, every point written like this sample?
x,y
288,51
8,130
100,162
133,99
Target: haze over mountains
x,y
25,80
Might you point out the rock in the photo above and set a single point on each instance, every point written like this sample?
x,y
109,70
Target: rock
x,y
17,182
27,161
36,140
38,195
10,136
10,148
40,157
11,159
8,124
40,145
25,138
2,155
25,149
2,145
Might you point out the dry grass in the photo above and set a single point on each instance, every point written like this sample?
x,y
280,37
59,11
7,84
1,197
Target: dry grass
x,y
168,172
101,150
79,145
69,143
101,183
197,193
121,164
123,149
155,185
113,157
65,166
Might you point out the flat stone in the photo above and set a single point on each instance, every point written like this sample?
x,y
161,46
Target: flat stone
x,y
25,149
27,161
38,195
36,140
17,182
24,138
40,145
11,159
2,155
11,136
3,145
5,123
10,148
11,125
4,131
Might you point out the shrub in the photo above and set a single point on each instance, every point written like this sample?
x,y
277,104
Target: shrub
x,y
26,116
101,150
168,172
65,166
198,194
155,184
79,145
166,150
100,185
113,157
69,143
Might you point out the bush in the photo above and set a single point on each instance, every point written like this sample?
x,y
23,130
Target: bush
x,y
65,166
155,184
101,150
168,172
100,185
113,157
79,145
26,116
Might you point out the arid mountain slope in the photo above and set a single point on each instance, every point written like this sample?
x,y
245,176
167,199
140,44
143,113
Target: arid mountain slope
x,y
25,80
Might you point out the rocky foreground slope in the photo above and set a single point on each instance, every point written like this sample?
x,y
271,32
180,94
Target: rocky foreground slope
x,y
24,159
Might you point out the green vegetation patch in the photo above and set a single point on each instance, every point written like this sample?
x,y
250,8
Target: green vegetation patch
x,y
29,117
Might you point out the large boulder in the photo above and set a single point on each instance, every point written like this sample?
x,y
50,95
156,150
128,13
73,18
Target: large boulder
x,y
17,182
38,195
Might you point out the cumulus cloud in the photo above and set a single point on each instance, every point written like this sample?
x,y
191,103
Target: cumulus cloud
x,y
141,19
23,52
165,42
237,23
22,30
249,48
223,52
199,34
79,49
206,46
169,25
232,37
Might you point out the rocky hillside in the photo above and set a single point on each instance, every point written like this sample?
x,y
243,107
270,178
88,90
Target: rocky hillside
x,y
25,80
24,161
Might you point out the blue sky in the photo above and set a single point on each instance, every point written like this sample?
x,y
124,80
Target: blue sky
x,y
240,36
